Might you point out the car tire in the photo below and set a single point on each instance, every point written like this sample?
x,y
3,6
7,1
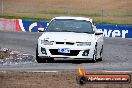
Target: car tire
x,y
94,55
38,59
50,60
101,52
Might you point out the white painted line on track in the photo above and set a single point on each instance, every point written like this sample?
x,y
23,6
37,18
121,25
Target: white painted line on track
x,y
71,71
44,71
32,71
3,71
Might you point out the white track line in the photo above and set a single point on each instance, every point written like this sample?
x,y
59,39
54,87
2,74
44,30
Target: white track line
x,y
44,71
71,71
32,71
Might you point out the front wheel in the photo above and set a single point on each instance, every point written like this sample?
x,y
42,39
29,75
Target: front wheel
x,y
50,60
94,55
101,53
38,59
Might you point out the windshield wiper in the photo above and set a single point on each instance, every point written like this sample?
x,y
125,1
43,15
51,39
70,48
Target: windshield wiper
x,y
88,32
69,31
76,31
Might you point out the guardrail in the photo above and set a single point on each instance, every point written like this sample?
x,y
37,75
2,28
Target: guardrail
x,y
110,30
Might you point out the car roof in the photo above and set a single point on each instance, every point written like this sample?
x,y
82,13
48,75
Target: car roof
x,y
74,18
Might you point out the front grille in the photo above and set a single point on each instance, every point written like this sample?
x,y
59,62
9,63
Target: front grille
x,y
67,43
59,42
72,52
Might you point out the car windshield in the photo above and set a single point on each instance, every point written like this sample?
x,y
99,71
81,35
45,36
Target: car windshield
x,y
68,25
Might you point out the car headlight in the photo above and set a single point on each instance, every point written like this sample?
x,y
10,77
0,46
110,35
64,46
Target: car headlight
x,y
83,43
46,42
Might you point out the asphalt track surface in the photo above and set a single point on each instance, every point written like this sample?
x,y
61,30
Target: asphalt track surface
x,y
117,54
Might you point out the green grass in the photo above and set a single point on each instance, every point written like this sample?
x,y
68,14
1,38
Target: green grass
x,y
105,22
48,19
57,12
102,11
24,18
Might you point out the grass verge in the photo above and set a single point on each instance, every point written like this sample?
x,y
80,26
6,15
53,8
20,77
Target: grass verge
x,y
48,19
21,17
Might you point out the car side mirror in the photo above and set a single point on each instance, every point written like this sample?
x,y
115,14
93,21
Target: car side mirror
x,y
98,32
40,29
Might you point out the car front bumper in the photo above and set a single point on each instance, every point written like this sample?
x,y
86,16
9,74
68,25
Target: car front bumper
x,y
77,52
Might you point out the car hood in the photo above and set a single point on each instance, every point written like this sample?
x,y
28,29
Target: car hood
x,y
67,37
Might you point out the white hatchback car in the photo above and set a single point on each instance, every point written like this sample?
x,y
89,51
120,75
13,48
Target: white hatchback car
x,y
70,37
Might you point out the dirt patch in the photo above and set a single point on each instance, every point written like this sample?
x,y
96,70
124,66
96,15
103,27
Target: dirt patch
x,y
50,80
6,53
9,57
3,55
